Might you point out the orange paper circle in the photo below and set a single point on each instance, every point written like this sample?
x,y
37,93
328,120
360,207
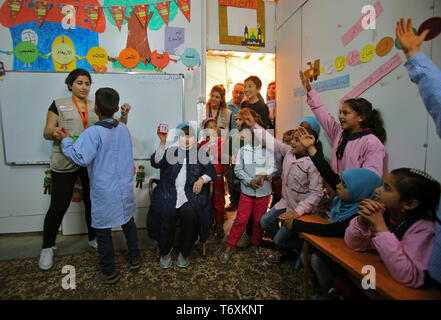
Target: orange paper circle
x,y
384,46
129,58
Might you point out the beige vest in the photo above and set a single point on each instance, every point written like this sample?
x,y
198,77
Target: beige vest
x,y
70,119
224,118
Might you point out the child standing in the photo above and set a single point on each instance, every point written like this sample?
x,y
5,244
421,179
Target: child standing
x,y
235,142
404,235
254,167
106,150
357,138
215,145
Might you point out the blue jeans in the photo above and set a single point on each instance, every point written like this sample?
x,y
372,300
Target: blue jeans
x,y
283,238
107,252
270,221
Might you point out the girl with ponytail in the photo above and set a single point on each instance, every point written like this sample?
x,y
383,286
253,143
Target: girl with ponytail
x,y
399,224
357,137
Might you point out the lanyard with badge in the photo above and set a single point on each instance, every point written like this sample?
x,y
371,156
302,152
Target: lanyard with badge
x,y
83,116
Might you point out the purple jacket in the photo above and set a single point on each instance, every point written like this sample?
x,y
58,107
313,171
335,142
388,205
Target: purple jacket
x,y
406,260
365,152
302,184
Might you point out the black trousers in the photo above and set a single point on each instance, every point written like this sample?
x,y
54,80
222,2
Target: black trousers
x,y
62,189
233,186
188,229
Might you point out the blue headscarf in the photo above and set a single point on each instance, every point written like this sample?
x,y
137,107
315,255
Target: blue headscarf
x,y
313,123
361,184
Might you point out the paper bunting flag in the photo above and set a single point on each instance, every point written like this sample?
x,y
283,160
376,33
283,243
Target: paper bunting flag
x,y
41,10
141,12
163,9
118,15
93,13
15,8
184,5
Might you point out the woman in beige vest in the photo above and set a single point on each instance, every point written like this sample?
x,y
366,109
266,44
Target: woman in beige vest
x,y
74,114
217,108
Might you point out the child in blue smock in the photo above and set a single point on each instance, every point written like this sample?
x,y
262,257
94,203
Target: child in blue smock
x,y
106,150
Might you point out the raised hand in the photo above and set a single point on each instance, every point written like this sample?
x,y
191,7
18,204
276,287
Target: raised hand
x,y
125,109
409,42
247,117
305,81
162,137
306,139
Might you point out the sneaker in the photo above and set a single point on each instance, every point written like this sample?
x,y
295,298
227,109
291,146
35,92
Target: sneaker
x,y
275,258
134,265
225,257
182,262
244,241
93,244
165,261
99,277
46,258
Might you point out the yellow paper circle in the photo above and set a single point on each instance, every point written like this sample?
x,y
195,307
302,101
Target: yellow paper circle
x,y
340,63
97,56
367,53
63,53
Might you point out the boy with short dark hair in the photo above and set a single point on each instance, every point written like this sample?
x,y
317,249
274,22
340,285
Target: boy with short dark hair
x,y
106,150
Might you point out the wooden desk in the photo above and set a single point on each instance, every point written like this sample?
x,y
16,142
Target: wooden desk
x,y
353,262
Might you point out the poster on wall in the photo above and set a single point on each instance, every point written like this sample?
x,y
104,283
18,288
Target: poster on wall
x,y
242,23
61,36
40,39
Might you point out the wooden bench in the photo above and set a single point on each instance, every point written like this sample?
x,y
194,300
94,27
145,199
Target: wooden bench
x,y
353,262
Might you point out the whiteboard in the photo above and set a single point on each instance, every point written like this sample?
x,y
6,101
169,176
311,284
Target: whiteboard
x,y
25,98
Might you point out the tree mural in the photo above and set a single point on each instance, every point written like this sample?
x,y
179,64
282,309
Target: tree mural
x,y
137,37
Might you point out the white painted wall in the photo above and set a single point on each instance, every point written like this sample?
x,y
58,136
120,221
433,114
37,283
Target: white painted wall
x,y
314,32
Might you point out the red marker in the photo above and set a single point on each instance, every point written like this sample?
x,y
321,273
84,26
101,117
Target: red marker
x,y
64,131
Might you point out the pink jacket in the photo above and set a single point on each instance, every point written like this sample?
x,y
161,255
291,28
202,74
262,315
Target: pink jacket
x,y
366,152
302,184
406,260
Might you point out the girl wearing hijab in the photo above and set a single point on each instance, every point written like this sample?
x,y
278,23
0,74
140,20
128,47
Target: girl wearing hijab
x,y
355,185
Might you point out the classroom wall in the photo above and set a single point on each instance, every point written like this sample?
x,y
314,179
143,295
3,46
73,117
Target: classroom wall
x,y
23,205
313,30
